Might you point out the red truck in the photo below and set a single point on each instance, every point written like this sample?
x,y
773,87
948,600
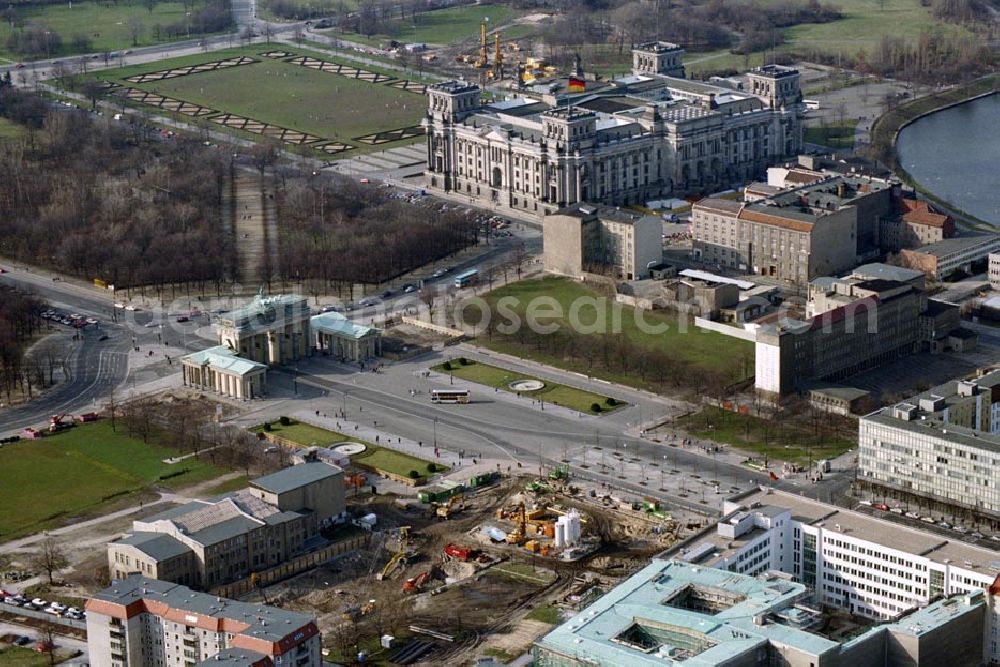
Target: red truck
x,y
460,553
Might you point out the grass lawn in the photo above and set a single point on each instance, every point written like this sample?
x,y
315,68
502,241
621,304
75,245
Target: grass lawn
x,y
698,351
73,473
834,136
783,441
20,656
305,434
388,460
10,130
441,26
235,484
321,103
105,24
559,394
546,614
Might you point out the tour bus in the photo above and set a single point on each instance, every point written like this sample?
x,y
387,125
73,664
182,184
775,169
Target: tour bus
x,y
450,396
812,105
467,278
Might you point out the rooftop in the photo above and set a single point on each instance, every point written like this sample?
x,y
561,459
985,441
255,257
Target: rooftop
x,y
337,324
609,213
157,546
222,358
252,620
296,476
265,310
888,272
957,244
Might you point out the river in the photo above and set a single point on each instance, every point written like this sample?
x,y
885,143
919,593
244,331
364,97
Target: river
x,y
955,154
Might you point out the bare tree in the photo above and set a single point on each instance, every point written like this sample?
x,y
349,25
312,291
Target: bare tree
x,y
50,557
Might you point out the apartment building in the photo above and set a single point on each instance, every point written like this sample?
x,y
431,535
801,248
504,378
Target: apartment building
x,y
870,567
676,613
915,225
144,622
271,330
941,447
601,239
625,141
207,543
823,227
993,268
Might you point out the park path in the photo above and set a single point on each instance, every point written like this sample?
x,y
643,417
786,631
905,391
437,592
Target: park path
x,y
250,224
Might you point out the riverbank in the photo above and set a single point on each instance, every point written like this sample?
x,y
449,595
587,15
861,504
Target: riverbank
x,y
885,132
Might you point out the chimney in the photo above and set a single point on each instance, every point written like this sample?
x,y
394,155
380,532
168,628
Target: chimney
x,y
840,190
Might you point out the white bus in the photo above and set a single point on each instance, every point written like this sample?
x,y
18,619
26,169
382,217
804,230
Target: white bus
x,y
812,105
450,396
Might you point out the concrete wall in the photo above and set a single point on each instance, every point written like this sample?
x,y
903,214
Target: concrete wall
x,y
562,244
725,329
648,236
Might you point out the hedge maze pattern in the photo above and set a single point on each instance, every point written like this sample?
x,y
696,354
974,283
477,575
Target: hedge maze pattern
x,y
167,103
152,77
387,136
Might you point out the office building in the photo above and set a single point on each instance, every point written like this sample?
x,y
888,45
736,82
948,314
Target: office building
x,y
940,448
600,239
943,259
870,567
207,543
916,224
625,141
271,330
826,226
143,622
993,268
855,324
675,613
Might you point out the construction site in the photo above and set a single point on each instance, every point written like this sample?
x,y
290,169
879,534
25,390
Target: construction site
x,y
497,59
476,569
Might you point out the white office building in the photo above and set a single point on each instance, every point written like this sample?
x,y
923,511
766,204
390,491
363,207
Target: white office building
x,y
853,561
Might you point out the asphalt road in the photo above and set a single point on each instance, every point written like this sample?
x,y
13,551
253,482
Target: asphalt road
x,y
96,367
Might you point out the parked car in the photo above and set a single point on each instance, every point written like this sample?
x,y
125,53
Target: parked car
x,y
183,318
409,288
39,602
386,294
438,273
881,506
23,640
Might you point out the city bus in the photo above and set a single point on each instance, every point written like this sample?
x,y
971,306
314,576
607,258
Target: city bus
x,y
467,278
450,396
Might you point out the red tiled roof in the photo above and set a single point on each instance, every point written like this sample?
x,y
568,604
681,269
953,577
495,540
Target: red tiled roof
x,y
925,217
776,220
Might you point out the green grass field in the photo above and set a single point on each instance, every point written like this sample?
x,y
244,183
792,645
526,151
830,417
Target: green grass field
x,y
441,26
382,458
10,130
320,103
836,136
106,25
73,473
558,394
305,435
781,441
19,656
704,351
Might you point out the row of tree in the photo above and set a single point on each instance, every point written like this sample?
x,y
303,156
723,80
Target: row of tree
x,y
341,232
19,323
97,200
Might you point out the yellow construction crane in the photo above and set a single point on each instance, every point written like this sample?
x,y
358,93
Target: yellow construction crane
x,y
484,49
398,557
517,535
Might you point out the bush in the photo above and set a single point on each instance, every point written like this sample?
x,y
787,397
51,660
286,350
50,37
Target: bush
x,y
595,407
611,401
431,467
447,365
285,421
414,474
463,361
267,426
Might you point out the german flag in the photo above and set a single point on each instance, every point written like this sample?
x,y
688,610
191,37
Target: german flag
x,y
577,85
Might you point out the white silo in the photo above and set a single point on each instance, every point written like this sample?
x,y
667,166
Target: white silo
x,y
572,527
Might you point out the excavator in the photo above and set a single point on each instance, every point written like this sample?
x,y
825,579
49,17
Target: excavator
x,y
445,511
398,558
